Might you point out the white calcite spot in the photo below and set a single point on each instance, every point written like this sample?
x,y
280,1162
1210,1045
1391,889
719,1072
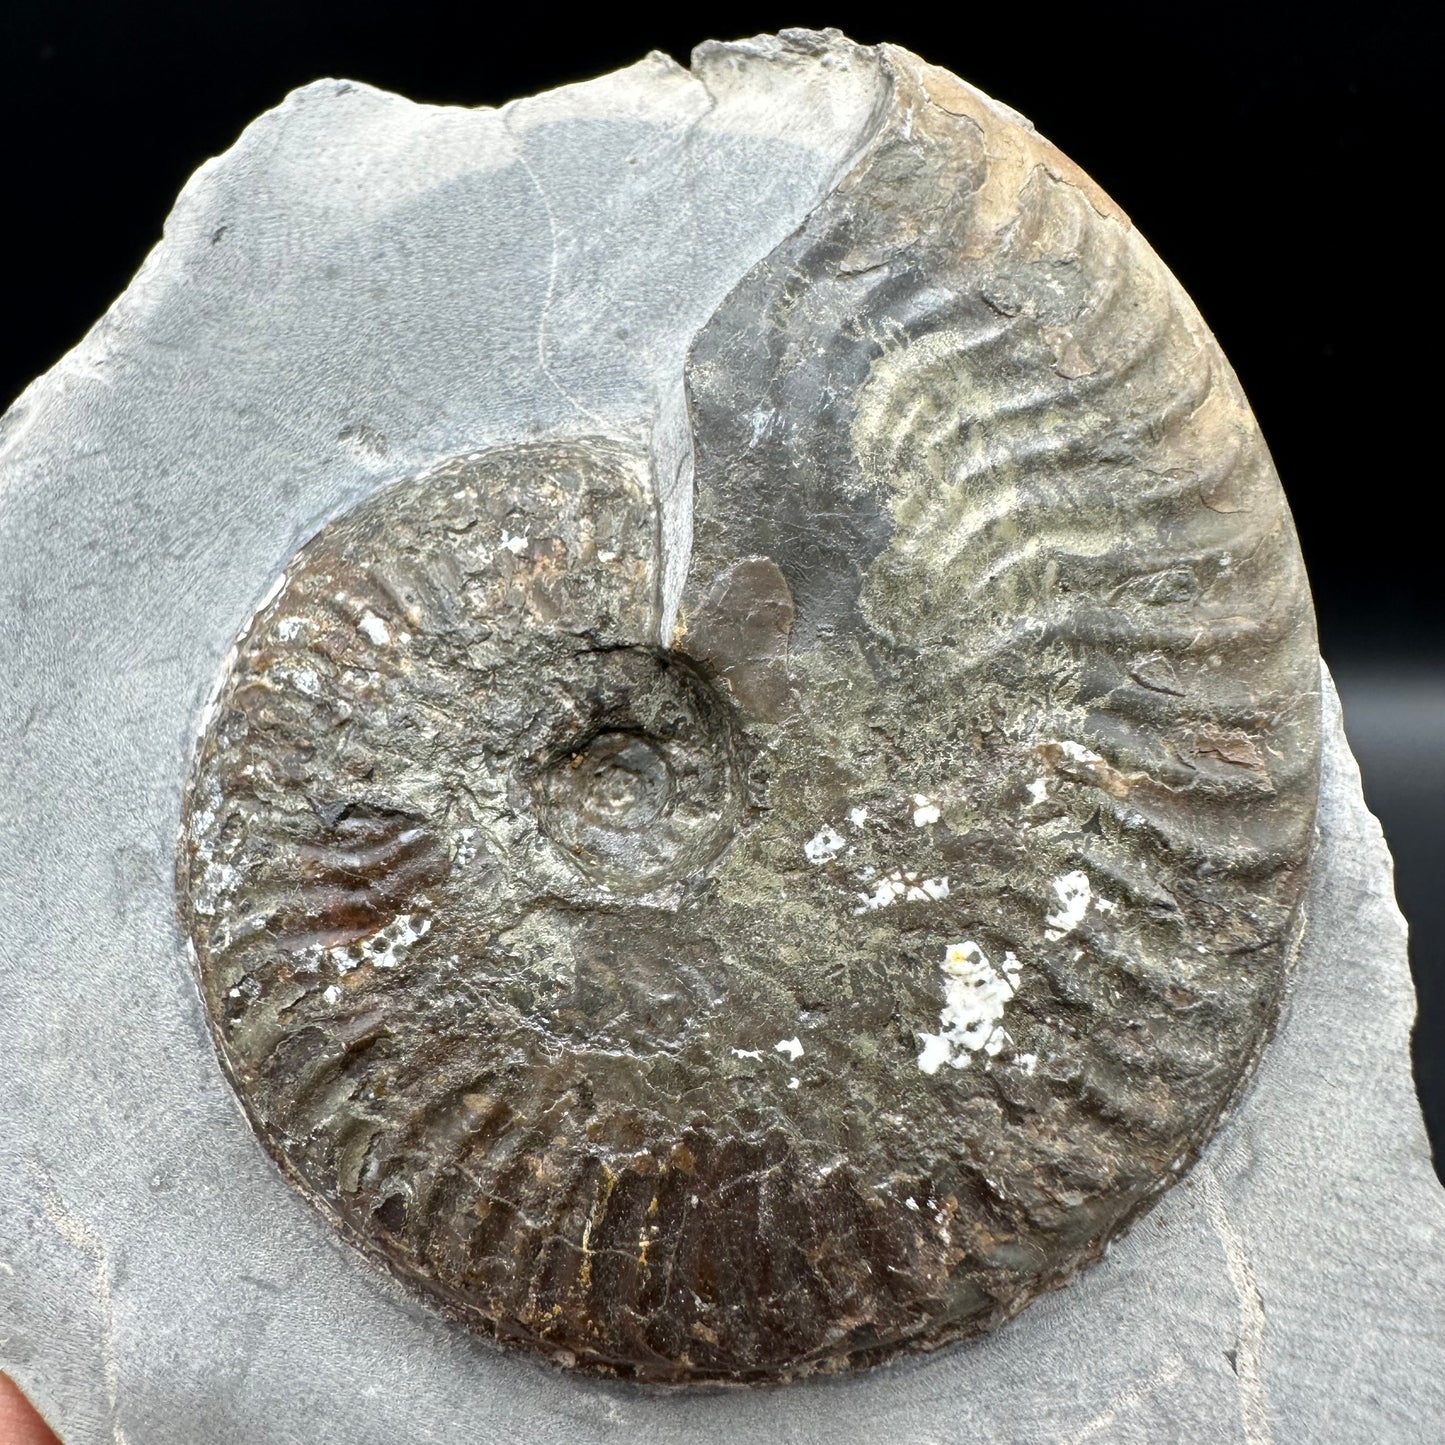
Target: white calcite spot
x,y
1038,791
888,890
1078,753
936,1052
823,845
306,681
794,1083
975,993
288,629
216,881
793,1048
1074,894
858,816
748,1054
386,948
466,846
375,628
389,946
331,993
515,545
905,887
925,811
272,593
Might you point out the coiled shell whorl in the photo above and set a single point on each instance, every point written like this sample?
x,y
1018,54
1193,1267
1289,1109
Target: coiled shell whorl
x,y
754,931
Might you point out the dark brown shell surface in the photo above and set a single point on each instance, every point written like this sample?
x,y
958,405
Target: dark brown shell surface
x,y
821,963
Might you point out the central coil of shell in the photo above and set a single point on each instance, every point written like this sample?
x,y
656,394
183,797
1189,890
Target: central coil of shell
x,y
824,962
642,786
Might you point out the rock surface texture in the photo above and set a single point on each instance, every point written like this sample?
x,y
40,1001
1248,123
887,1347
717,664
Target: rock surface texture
x,y
763,810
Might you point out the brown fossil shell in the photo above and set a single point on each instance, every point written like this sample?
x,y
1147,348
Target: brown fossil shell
x,y
822,962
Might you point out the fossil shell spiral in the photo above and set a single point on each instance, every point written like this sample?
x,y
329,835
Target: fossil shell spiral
x,y
729,932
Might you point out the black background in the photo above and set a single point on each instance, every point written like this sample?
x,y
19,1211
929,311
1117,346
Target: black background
x,y
1283,160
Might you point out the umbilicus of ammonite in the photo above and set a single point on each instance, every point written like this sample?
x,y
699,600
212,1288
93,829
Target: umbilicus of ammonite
x,y
729,931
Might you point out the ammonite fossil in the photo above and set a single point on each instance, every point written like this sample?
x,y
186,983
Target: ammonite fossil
x,y
749,909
